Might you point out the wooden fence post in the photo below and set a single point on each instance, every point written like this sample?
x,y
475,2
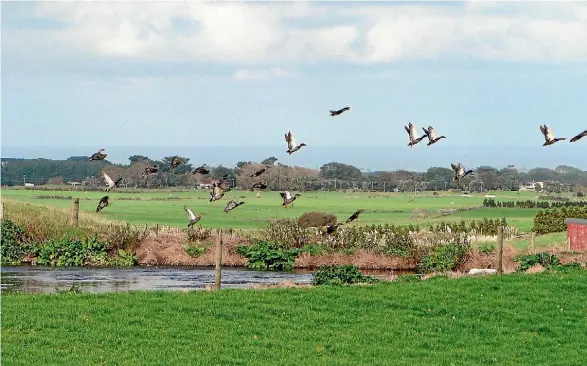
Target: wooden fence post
x,y
499,250
2,211
533,243
218,274
75,212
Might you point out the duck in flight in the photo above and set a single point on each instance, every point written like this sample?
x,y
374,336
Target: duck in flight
x,y
258,185
460,172
414,139
260,171
355,216
175,161
149,169
231,205
193,218
332,228
431,134
338,112
98,155
111,183
288,198
579,136
549,138
291,143
201,169
103,203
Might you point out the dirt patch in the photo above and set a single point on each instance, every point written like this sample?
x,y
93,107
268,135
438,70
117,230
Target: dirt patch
x,y
284,284
361,258
168,250
537,268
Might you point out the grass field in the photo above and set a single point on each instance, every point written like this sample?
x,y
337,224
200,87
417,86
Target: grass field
x,y
393,208
518,319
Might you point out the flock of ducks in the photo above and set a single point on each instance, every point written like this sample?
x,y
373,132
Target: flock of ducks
x,y
220,187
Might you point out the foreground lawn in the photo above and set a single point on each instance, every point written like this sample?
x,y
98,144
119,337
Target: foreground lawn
x,y
510,320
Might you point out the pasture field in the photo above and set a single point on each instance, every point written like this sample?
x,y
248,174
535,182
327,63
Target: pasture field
x,y
166,207
519,319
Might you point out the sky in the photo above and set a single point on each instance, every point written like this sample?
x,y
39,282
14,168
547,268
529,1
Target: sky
x,y
224,81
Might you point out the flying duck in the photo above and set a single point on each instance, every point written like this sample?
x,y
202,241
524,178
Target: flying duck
x,y
222,183
414,139
193,218
260,171
231,205
103,203
175,161
201,169
431,134
110,183
549,136
287,198
258,185
355,216
98,155
150,170
216,194
332,228
338,112
291,143
460,172
579,136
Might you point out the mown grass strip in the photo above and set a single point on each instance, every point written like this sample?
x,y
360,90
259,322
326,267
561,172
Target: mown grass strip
x,y
510,320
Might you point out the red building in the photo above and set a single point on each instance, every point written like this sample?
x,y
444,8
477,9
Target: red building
x,y
577,234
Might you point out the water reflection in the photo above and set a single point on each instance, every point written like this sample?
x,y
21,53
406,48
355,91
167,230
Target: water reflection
x,y
40,279
33,279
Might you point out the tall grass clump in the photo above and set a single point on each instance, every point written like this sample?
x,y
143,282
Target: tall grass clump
x,y
316,219
287,233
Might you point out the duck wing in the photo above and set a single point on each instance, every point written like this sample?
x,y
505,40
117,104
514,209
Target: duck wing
x,y
230,205
413,132
109,182
455,167
190,213
431,132
291,141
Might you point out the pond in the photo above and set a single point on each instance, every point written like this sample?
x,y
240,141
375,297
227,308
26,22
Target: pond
x,y
40,279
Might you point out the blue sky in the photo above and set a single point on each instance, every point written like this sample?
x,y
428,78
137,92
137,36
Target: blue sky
x,y
79,76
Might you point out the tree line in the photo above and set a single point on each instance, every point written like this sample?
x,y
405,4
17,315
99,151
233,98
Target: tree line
x,y
330,176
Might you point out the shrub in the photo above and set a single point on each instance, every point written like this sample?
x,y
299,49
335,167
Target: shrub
x,y
443,258
288,233
316,219
123,236
544,259
12,243
552,221
269,256
194,251
580,194
340,275
197,234
486,248
79,252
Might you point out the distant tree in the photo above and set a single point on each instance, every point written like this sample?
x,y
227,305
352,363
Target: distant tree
x,y
489,176
269,161
78,158
240,164
439,177
55,181
340,171
139,159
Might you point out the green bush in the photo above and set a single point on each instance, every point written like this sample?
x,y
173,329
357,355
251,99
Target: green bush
x,y
269,256
544,259
80,252
553,221
340,275
486,248
443,258
13,247
194,251
316,219
288,233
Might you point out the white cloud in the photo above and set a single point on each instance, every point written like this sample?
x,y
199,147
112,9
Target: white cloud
x,y
251,74
301,32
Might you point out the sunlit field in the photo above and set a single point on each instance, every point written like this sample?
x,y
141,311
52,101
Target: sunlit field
x,y
166,207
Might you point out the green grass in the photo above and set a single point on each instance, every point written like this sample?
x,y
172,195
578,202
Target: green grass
x,y
510,320
392,208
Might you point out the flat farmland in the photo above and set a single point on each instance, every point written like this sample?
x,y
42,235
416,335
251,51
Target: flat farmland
x,y
165,207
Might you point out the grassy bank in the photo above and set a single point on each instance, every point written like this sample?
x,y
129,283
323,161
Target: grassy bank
x,y
510,320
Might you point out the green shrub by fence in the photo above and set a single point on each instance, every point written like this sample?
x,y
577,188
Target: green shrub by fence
x,y
553,221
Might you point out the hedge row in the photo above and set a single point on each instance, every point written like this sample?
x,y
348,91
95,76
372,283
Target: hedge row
x,y
553,221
